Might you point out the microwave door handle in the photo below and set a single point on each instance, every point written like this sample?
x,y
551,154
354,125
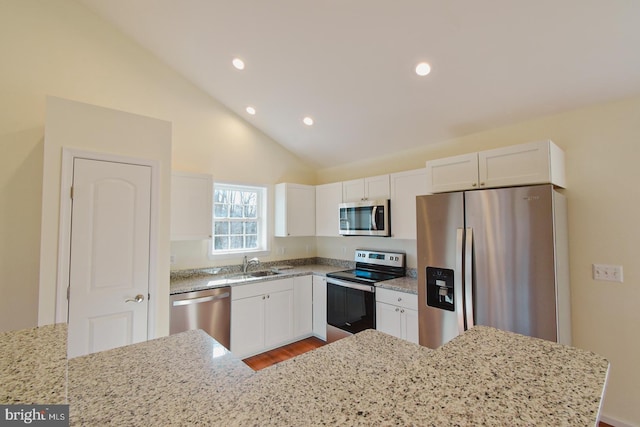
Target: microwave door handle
x,y
373,218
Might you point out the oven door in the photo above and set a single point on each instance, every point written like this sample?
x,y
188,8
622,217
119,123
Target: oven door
x,y
350,308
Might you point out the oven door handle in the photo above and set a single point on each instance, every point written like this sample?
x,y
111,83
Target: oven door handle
x,y
347,284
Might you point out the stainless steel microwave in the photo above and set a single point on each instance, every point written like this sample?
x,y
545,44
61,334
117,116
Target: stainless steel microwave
x,y
365,218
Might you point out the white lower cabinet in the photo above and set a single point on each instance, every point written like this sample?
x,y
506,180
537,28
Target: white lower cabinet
x,y
261,316
320,307
397,314
302,306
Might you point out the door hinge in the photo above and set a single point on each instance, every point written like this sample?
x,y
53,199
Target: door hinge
x,y
71,193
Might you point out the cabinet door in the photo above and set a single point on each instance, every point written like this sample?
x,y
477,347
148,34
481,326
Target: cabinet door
x,y
353,191
452,173
295,210
328,197
302,306
320,307
405,186
247,325
278,318
191,206
410,325
388,319
377,187
521,164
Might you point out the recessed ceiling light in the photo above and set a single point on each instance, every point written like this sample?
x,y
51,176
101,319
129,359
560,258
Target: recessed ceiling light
x,y
422,69
251,110
238,63
307,121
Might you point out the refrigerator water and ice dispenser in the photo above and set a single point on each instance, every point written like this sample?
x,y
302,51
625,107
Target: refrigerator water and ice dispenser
x,y
440,288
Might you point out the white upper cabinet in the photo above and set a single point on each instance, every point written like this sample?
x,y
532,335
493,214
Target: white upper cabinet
x,y
372,188
191,206
452,173
531,163
405,186
295,210
328,197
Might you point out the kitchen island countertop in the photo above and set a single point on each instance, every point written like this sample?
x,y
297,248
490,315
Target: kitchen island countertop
x,y
485,376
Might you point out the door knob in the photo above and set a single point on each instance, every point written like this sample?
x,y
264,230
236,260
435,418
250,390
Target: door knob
x,y
139,298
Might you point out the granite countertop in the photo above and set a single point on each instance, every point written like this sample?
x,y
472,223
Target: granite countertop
x,y
483,377
198,281
165,381
33,366
402,284
201,280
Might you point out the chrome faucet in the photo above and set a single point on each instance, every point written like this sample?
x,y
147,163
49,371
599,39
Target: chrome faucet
x,y
246,263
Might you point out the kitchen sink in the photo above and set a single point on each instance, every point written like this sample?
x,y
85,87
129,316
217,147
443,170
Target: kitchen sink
x,y
254,274
262,273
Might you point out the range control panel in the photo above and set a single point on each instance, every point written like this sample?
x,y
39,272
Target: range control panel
x,y
391,259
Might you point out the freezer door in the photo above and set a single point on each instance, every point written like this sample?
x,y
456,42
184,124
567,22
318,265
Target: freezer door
x,y
440,239
514,285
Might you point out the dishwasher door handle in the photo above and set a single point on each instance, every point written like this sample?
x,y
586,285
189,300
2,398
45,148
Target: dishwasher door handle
x,y
201,299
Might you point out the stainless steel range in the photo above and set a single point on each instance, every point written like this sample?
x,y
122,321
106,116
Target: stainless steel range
x,y
351,300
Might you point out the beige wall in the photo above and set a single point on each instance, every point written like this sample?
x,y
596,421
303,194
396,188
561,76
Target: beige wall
x,y
59,48
98,130
601,145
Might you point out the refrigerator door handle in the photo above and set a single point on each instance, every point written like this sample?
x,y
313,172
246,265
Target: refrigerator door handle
x,y
458,282
468,277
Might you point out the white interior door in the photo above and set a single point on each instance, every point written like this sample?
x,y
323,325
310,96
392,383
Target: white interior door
x,y
109,262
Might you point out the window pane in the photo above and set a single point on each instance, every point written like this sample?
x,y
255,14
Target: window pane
x,y
220,210
236,211
236,228
221,227
236,242
251,227
251,242
221,243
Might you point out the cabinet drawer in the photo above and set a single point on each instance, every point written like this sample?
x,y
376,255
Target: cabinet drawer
x,y
399,299
251,290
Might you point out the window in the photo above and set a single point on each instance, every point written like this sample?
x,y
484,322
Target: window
x,y
239,219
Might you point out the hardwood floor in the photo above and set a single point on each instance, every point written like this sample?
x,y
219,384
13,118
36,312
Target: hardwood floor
x,y
263,360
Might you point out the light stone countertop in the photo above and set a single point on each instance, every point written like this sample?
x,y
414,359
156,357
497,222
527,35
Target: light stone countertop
x,y
483,377
33,366
402,284
202,281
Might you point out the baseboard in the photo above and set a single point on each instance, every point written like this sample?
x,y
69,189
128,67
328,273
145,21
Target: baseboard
x,y
614,422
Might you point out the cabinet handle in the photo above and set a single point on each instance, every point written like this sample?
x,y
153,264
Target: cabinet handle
x,y
264,296
397,309
402,311
267,296
482,184
399,299
475,184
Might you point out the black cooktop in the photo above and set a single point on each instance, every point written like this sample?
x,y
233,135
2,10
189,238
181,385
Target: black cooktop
x,y
362,276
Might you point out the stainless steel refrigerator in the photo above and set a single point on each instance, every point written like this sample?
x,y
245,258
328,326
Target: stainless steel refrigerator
x,y
496,257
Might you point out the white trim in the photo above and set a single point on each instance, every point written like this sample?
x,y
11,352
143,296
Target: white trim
x,y
64,237
615,423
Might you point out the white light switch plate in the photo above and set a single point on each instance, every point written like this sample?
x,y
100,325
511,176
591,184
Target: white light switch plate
x,y
611,273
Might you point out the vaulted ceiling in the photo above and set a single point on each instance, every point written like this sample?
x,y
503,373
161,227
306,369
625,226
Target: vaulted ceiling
x,y
349,64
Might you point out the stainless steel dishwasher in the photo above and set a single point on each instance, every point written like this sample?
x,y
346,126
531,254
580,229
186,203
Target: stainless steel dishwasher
x,y
209,310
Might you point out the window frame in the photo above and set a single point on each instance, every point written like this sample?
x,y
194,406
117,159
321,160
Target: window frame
x,y
264,230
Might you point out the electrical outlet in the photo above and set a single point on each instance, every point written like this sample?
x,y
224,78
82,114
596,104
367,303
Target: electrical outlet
x,y
611,273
